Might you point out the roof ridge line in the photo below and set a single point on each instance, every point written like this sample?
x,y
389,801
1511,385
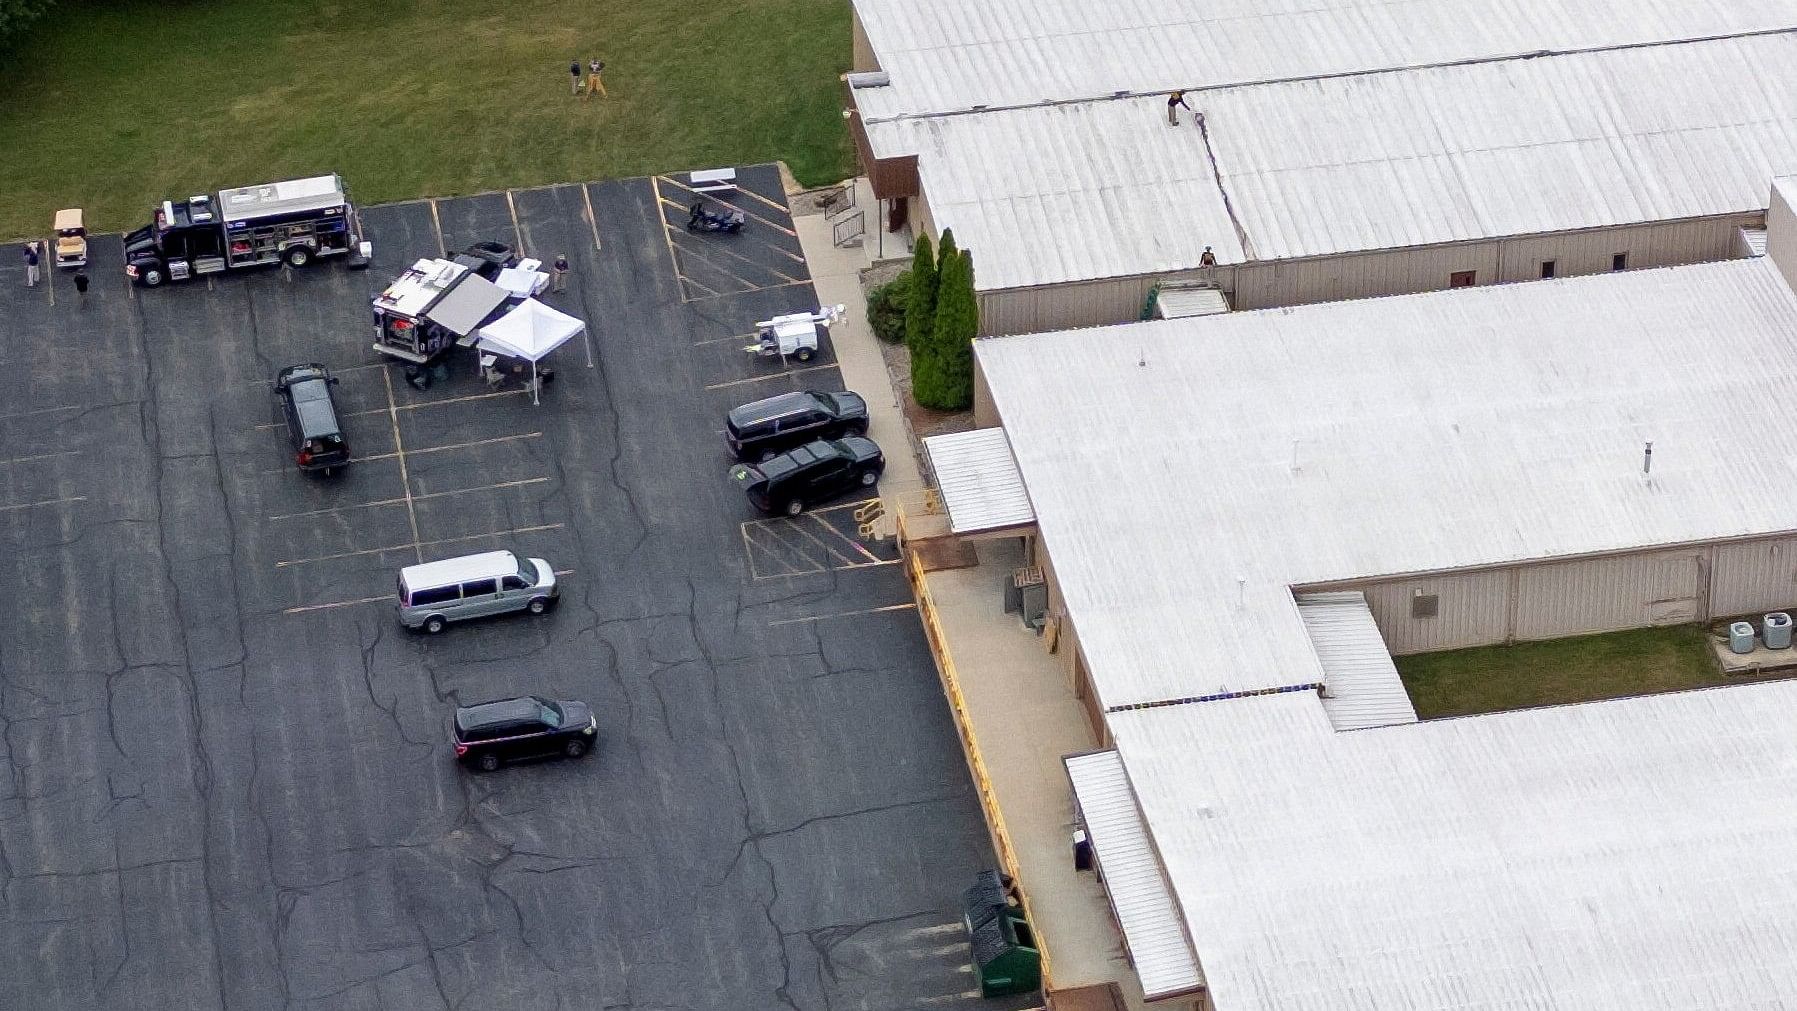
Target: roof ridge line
x,y
1471,61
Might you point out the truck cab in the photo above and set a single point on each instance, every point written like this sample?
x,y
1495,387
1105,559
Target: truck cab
x,y
182,240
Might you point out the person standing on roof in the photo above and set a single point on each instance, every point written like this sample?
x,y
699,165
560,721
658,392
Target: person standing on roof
x,y
1174,102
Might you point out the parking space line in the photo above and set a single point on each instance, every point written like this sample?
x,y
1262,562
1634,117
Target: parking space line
x,y
41,456
408,499
771,375
337,603
797,526
368,600
416,452
399,447
334,370
667,238
843,614
43,410
411,407
592,219
784,563
714,293
720,294
720,340
747,213
287,563
856,545
748,285
45,502
517,229
719,248
437,226
789,254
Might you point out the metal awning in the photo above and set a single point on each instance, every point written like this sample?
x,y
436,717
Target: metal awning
x,y
466,305
1179,299
1152,929
981,486
1361,684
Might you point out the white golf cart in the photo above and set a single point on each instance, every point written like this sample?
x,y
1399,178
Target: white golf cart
x,y
794,335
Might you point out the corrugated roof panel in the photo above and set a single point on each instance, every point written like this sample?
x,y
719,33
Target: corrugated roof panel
x,y
979,482
1144,905
1185,474
1611,856
1362,684
1107,189
946,55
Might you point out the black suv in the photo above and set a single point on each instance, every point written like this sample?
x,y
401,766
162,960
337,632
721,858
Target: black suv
x,y
811,473
506,730
311,412
759,430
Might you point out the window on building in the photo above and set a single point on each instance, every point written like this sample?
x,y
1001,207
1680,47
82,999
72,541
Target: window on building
x,y
1548,268
1463,278
1619,262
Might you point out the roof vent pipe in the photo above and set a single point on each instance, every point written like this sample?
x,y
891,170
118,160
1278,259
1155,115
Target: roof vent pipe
x,y
1647,458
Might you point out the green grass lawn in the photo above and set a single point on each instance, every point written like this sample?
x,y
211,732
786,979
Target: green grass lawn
x,y
1495,678
115,105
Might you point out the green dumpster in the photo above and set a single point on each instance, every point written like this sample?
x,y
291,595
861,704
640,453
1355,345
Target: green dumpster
x,y
1005,957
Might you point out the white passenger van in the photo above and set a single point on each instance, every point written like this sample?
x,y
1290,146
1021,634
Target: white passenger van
x,y
493,582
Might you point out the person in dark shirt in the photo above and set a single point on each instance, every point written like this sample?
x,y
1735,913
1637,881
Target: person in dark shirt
x,y
574,71
31,262
1174,102
81,283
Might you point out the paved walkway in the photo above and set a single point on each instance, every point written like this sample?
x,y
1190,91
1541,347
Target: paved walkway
x,y
1016,695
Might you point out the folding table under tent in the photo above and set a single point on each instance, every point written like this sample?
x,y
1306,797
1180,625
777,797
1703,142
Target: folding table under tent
x,y
530,331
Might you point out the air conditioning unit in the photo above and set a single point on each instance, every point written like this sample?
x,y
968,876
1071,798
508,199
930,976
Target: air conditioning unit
x,y
1032,595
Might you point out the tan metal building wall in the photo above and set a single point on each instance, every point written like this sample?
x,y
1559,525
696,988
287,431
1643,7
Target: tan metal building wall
x,y
1061,306
1472,609
1267,285
1605,594
1753,577
1551,600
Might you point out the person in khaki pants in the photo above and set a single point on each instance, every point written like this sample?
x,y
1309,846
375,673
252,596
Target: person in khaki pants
x,y
574,75
593,81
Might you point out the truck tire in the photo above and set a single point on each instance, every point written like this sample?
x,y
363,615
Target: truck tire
x,y
297,256
152,275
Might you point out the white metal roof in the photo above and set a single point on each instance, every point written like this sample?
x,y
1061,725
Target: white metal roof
x,y
1069,192
943,55
978,478
1613,856
484,565
1144,905
1097,189
1363,687
1186,473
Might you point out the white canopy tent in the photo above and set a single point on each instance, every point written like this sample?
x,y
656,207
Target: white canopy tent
x,y
530,331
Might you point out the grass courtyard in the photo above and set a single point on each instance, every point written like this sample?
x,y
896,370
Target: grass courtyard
x,y
1496,678
115,105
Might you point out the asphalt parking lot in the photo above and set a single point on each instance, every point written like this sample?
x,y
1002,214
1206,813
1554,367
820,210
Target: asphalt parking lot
x,y
229,781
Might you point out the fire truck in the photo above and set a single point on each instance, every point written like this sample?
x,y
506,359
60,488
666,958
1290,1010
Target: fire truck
x,y
287,222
